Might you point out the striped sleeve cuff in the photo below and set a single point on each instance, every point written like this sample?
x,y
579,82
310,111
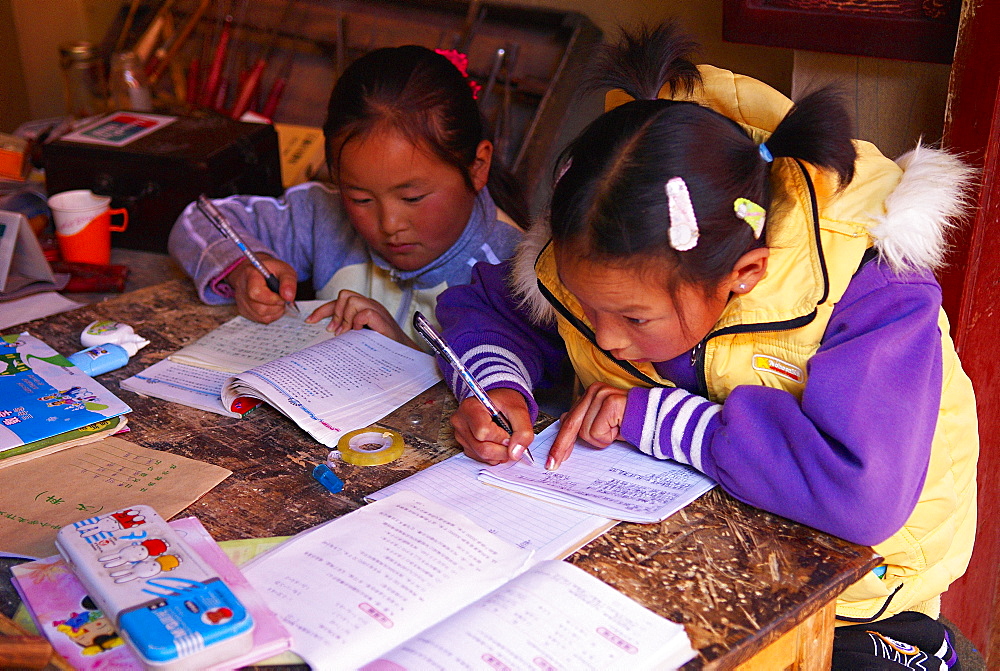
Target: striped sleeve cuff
x,y
493,367
669,423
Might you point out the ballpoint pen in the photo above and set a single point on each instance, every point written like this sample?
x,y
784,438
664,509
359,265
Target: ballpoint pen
x,y
219,221
434,339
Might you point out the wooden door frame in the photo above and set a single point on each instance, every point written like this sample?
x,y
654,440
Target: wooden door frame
x,y
972,127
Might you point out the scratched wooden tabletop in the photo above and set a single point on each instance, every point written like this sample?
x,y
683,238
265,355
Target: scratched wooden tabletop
x,y
735,576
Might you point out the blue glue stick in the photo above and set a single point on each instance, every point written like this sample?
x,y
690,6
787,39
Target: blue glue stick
x,y
100,359
325,476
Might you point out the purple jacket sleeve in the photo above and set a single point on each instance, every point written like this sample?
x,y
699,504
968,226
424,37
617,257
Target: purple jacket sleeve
x,y
494,338
851,458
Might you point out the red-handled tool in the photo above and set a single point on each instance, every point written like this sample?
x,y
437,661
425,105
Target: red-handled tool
x,y
209,90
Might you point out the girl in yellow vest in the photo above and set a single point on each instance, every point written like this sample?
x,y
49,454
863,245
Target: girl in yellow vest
x,y
742,288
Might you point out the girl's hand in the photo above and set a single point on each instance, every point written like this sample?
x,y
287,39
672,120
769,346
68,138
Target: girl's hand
x,y
485,441
352,311
595,419
253,299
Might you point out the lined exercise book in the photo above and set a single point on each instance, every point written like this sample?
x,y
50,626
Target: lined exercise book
x,y
618,481
407,583
195,374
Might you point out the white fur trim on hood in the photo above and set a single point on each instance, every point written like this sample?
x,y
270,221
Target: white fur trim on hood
x,y
523,279
933,194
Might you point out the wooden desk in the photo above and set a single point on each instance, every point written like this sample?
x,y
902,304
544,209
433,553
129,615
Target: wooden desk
x,y
750,587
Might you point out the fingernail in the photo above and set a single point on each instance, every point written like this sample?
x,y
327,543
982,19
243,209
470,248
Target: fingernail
x,y
550,464
517,452
506,442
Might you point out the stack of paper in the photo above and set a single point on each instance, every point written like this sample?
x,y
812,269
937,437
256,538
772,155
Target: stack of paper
x,y
552,532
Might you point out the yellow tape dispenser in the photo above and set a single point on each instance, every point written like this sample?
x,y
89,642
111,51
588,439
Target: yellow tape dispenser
x,y
372,446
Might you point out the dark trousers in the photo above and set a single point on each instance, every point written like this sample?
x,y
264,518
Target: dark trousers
x,y
909,640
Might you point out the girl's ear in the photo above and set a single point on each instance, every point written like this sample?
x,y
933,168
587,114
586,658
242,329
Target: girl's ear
x,y
749,270
479,171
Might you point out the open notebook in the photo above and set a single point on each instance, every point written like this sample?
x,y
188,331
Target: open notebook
x,y
327,385
408,583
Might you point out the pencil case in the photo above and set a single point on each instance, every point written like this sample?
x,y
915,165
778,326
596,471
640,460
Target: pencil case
x,y
166,602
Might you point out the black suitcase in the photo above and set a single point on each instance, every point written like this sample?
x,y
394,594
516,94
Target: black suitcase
x,y
156,176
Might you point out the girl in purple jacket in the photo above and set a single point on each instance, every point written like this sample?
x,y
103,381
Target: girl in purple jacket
x,y
741,287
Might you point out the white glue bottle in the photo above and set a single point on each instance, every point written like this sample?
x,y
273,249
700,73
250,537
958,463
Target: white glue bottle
x,y
109,345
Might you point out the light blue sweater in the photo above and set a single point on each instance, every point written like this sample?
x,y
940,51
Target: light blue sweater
x,y
307,228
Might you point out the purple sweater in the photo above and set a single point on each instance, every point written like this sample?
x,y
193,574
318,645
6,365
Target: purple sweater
x,y
849,459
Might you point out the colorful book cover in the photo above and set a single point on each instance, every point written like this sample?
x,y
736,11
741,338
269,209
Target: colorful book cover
x,y
69,619
42,394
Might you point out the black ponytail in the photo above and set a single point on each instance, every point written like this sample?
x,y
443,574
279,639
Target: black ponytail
x,y
609,200
818,130
644,63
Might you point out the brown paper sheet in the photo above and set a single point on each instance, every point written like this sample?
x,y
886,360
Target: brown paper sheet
x,y
42,495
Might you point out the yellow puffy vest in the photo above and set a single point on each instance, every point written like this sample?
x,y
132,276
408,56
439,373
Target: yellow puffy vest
x,y
818,238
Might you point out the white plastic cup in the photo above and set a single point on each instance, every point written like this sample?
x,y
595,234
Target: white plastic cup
x,y
83,225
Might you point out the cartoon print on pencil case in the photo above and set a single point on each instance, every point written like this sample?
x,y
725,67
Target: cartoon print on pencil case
x,y
129,518
134,553
90,629
146,568
96,528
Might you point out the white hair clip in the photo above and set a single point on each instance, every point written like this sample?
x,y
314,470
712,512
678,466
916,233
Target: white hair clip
x,y
683,223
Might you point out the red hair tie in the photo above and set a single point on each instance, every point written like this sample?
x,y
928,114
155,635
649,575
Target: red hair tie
x,y
461,62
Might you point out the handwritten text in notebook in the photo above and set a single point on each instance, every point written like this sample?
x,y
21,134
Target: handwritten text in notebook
x,y
618,482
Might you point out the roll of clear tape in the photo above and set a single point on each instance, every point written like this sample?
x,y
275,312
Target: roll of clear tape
x,y
372,446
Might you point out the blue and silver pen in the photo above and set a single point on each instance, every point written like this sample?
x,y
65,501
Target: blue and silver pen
x,y
427,332
209,209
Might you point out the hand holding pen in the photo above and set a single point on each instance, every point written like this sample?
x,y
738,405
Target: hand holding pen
x,y
427,332
220,222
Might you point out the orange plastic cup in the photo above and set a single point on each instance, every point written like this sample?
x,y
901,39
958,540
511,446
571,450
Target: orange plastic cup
x,y
83,226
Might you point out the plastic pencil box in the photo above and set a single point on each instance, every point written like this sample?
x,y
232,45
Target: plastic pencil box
x,y
165,601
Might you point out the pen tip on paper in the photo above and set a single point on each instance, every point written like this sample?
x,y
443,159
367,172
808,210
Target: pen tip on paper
x,y
519,451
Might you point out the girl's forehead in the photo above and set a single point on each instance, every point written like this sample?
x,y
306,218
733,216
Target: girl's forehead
x,y
641,269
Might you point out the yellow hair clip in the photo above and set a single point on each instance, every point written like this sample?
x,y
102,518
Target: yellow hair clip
x,y
752,213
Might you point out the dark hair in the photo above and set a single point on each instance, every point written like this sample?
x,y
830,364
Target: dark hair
x,y
610,202
423,96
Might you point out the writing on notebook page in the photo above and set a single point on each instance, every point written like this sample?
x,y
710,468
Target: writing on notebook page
x,y
332,372
618,481
551,531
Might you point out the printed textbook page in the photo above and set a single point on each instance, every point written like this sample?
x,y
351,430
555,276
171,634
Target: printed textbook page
x,y
338,385
405,579
354,588
553,616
